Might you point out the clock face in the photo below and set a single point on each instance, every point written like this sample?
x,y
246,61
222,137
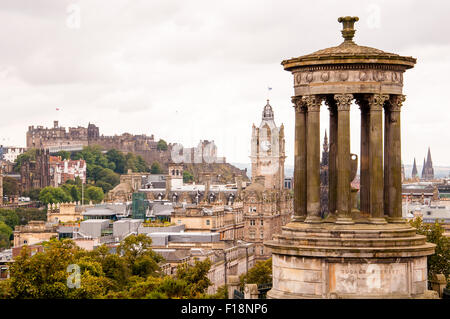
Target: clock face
x,y
265,145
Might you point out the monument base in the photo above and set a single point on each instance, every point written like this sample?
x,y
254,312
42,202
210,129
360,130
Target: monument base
x,y
349,261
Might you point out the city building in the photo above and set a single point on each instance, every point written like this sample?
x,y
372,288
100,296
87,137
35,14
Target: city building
x,y
34,232
63,170
36,174
267,203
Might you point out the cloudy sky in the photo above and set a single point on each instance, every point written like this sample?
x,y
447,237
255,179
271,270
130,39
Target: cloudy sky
x,y
191,70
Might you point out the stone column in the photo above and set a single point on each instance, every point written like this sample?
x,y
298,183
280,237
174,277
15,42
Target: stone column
x,y
343,166
313,103
394,161
364,157
387,115
332,176
299,160
376,184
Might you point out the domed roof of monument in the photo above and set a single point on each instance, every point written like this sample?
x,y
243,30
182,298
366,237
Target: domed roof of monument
x,y
348,52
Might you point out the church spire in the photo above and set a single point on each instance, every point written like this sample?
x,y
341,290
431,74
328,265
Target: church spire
x,y
414,169
429,161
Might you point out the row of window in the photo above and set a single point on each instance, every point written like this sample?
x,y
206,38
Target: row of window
x,y
253,222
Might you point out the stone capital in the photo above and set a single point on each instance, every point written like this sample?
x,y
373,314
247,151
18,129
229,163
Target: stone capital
x,y
299,104
343,101
396,102
312,102
376,101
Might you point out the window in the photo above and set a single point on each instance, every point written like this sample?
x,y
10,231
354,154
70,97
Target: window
x,y
262,222
262,250
252,222
207,222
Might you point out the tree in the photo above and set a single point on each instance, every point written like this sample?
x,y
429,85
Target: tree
x,y
187,177
95,194
27,156
10,186
32,193
5,235
65,155
140,258
439,262
260,273
196,277
50,195
118,159
162,145
9,217
156,168
108,176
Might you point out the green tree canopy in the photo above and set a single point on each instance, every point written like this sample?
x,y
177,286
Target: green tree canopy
x,y
10,186
5,235
439,262
64,154
187,177
156,168
50,195
27,156
260,273
162,145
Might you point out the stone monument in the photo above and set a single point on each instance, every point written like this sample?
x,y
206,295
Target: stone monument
x,y
373,252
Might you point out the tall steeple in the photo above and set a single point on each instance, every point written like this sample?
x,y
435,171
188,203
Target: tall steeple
x,y
429,161
428,171
414,170
325,150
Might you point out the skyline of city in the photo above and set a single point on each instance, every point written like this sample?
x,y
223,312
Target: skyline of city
x,y
94,71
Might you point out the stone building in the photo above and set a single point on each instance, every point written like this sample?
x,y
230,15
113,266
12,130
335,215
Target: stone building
x,y
64,212
267,204
226,220
34,232
36,174
63,170
427,170
75,138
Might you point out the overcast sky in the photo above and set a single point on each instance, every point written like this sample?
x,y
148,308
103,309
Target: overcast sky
x,y
190,70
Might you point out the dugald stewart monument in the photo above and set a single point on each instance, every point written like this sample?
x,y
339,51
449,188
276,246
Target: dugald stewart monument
x,y
371,252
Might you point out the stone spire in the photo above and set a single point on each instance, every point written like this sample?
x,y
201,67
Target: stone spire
x,y
423,168
429,161
325,150
414,170
428,171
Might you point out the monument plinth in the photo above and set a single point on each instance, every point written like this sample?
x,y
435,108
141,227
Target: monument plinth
x,y
367,253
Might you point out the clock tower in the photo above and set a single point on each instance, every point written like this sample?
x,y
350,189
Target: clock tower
x,y
267,151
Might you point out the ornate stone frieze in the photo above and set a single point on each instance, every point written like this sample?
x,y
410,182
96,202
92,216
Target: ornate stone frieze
x,y
365,75
343,101
313,102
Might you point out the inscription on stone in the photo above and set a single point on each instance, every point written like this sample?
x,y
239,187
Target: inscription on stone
x,y
368,278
